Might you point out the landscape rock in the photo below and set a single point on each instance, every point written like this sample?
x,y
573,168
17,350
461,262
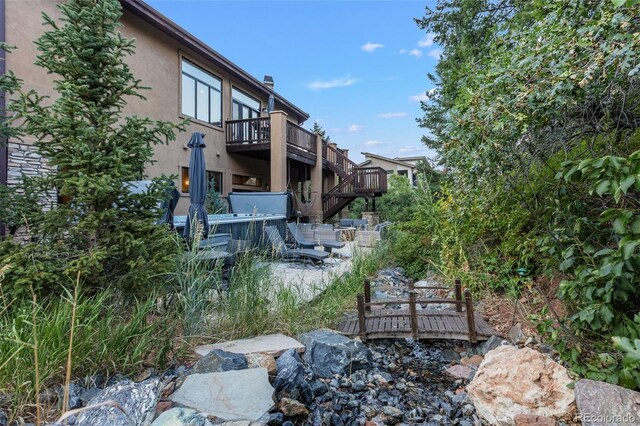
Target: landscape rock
x,y
218,360
329,353
489,345
138,400
474,360
229,395
263,360
512,381
292,376
533,420
181,417
459,372
602,403
3,419
273,344
292,408
516,335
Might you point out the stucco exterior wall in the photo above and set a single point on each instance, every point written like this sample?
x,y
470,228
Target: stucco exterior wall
x,y
157,62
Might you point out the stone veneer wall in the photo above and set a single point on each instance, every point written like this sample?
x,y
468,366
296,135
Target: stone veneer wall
x,y
23,160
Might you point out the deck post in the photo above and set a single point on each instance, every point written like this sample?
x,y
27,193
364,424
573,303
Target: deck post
x,y
471,321
458,287
367,294
361,318
413,315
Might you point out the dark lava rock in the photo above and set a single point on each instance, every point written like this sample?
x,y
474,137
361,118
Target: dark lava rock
x,y
293,377
86,395
489,345
329,353
3,419
275,419
75,399
218,360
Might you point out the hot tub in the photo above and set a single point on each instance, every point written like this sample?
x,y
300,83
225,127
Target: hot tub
x,y
240,226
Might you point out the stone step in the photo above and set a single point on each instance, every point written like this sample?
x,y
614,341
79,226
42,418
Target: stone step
x,y
274,344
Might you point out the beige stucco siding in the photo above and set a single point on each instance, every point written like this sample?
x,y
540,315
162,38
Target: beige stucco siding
x,y
157,62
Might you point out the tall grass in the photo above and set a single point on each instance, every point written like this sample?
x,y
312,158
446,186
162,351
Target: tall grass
x,y
260,302
35,340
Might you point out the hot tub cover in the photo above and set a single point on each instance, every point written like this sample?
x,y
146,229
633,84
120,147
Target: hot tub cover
x,y
280,203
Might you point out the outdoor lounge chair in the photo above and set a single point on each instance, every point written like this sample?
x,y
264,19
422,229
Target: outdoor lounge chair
x,y
280,248
302,242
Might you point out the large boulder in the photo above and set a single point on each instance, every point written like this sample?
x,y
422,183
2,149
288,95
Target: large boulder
x,y
229,395
293,377
512,381
218,360
329,353
601,403
138,400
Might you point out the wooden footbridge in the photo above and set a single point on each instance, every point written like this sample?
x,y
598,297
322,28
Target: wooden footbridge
x,y
417,323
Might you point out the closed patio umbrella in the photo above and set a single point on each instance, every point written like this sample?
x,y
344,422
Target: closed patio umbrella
x,y
197,186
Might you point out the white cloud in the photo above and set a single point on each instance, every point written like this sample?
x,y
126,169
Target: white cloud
x,y
423,97
330,84
392,114
406,149
334,129
372,143
353,128
415,52
420,97
435,53
371,47
426,41
403,51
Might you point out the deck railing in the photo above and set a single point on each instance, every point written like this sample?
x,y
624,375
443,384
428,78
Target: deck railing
x,y
338,162
248,131
361,181
301,138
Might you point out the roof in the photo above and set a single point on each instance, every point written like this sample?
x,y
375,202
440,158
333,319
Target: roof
x,y
380,157
417,158
148,14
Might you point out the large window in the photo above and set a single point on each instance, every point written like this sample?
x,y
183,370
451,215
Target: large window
x,y
201,94
247,181
216,176
244,106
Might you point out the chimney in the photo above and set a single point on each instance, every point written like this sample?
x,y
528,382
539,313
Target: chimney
x,y
268,81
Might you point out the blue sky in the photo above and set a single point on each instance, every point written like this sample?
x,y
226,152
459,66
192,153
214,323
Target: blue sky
x,y
359,68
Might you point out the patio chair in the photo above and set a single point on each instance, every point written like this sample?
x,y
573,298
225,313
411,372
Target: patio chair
x,y
304,243
280,248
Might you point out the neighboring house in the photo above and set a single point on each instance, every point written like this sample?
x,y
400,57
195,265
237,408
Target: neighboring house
x,y
402,166
248,148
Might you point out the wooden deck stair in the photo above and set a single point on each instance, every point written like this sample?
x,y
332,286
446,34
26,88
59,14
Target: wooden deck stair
x,y
414,323
355,182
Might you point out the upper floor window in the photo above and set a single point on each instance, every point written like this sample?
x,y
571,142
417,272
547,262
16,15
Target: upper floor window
x,y
201,94
244,106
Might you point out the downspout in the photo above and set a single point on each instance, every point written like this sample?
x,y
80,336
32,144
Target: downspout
x,y
4,147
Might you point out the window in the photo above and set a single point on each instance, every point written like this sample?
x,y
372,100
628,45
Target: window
x,y
201,94
403,173
389,172
210,175
244,106
247,181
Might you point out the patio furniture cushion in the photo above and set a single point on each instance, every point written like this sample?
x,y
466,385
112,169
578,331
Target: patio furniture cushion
x,y
280,248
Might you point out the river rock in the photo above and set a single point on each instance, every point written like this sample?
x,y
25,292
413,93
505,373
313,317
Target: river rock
x,y
512,381
218,360
516,335
489,345
293,376
459,372
329,353
181,416
292,408
263,360
229,395
602,403
138,400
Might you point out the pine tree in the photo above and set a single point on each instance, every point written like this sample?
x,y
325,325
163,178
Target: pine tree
x,y
101,229
317,129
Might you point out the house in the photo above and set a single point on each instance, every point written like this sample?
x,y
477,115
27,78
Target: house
x,y
402,166
249,148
